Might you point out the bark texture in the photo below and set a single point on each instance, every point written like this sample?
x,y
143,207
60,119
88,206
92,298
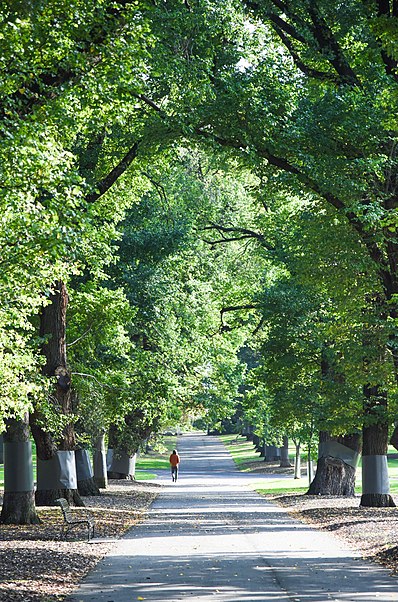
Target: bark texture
x,y
100,472
53,332
88,487
375,440
18,506
284,451
19,509
333,476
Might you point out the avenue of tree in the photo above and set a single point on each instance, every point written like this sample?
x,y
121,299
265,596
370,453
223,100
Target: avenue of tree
x,y
198,217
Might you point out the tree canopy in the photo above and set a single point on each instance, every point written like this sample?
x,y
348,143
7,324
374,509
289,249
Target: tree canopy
x,y
203,177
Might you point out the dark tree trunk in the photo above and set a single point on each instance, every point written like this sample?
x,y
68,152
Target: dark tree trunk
x,y
257,443
122,465
53,331
375,482
19,498
85,478
337,461
118,459
249,433
272,453
284,454
100,472
88,487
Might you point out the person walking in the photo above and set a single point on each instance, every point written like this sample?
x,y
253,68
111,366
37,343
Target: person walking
x,y
174,462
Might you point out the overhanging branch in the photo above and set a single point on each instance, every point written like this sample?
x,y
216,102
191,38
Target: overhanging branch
x,y
245,233
107,182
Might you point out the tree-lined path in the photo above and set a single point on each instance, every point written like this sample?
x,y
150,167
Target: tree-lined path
x,y
211,537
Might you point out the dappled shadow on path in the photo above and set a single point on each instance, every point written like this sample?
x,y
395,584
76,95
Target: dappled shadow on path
x,y
240,578
209,537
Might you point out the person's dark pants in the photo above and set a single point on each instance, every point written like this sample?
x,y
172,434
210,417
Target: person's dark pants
x,y
174,473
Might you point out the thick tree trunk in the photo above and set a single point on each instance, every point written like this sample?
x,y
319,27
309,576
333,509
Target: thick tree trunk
x,y
249,433
19,498
256,441
337,461
375,480
284,452
85,476
121,465
272,453
56,468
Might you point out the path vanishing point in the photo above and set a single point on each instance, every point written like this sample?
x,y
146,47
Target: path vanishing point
x,y
210,537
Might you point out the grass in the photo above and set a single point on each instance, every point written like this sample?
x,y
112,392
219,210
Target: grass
x,y
157,459
274,489
243,453
142,475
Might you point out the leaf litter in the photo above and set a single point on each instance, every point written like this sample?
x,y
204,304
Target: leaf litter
x,y
36,565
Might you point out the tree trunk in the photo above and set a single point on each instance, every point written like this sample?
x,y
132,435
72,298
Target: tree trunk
x,y
19,498
1,450
284,451
120,464
272,453
297,460
336,468
100,472
310,468
85,476
56,468
375,480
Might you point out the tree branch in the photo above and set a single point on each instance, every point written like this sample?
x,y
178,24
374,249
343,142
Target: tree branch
x,y
322,75
244,231
80,338
97,381
328,42
283,26
107,182
158,186
149,102
224,327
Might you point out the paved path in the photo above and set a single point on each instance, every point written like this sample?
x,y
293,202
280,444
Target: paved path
x,y
209,537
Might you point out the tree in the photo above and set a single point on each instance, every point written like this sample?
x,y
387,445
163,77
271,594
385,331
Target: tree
x,y
19,496
314,114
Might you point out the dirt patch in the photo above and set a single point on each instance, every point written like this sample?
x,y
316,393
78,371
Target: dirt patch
x,y
36,565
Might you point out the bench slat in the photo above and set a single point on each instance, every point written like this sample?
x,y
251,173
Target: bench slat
x,y
73,522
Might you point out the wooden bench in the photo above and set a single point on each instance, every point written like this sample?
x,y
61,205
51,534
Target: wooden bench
x,y
70,521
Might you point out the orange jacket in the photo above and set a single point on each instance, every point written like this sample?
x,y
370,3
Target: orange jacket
x,y
174,459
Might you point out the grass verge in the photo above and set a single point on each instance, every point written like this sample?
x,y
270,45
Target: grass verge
x,y
157,458
247,459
